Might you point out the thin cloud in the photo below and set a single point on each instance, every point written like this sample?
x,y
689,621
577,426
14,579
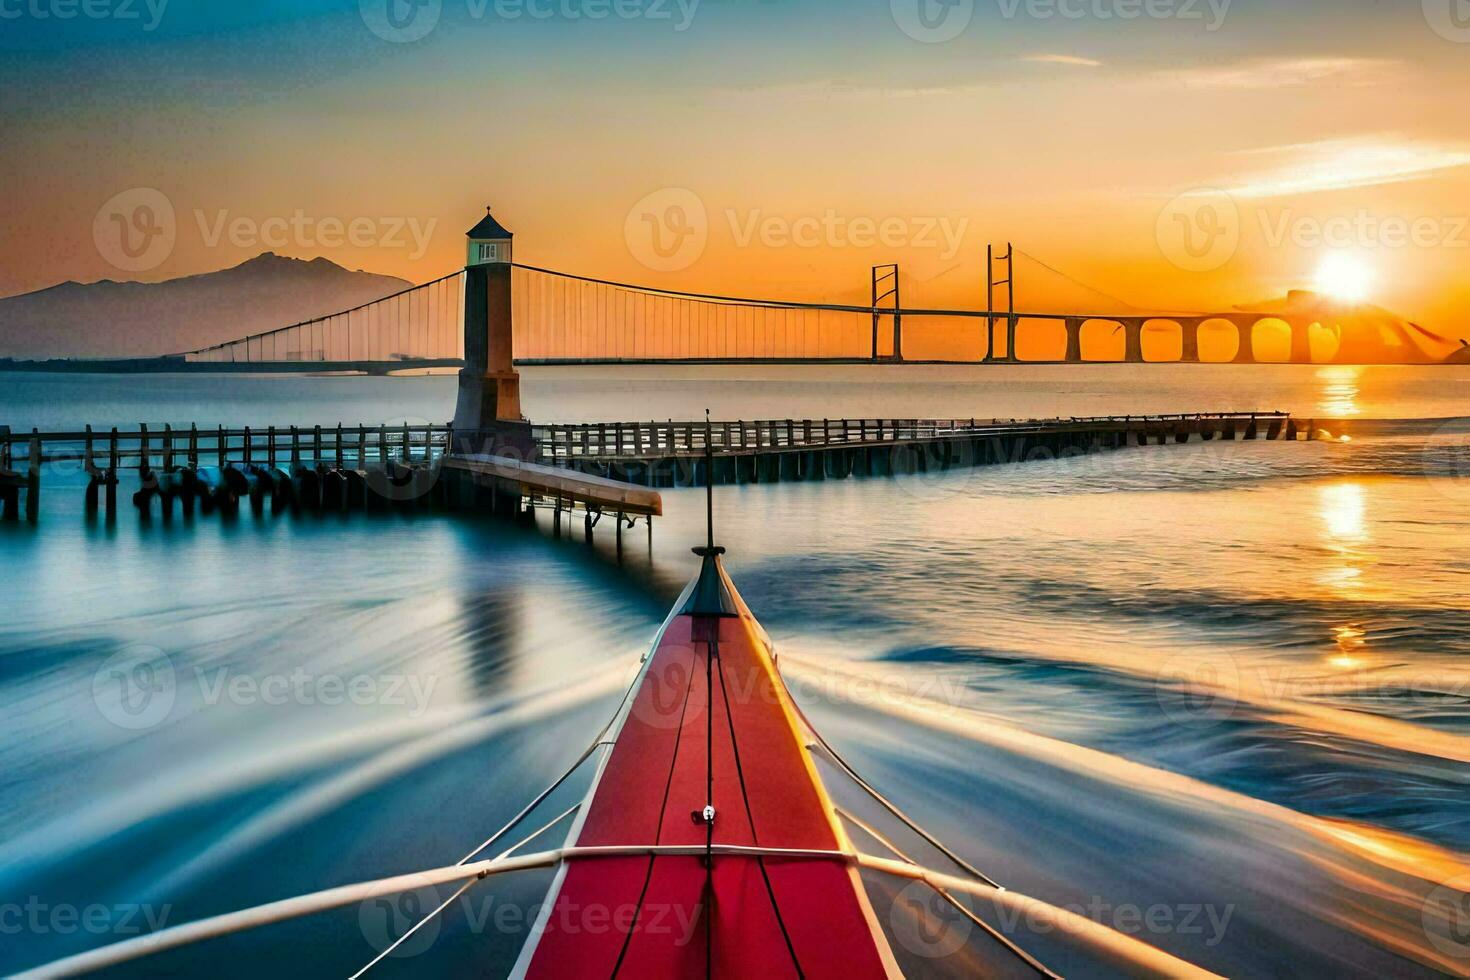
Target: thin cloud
x,y
1276,73
1330,165
1062,59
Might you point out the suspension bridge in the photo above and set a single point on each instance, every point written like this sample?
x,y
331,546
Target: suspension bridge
x,y
561,318
496,315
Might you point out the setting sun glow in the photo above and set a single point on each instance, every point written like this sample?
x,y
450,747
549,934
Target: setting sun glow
x,y
1344,278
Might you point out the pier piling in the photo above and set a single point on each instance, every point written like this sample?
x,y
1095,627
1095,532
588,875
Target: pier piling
x,y
416,467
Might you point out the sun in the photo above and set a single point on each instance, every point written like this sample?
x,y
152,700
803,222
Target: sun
x,y
1345,278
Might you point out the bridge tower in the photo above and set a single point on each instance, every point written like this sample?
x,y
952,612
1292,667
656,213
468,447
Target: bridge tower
x,y
488,412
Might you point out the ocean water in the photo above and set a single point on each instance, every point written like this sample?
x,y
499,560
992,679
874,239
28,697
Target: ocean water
x,y
1215,696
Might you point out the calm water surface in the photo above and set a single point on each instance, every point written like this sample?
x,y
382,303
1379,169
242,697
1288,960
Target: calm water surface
x,y
1233,679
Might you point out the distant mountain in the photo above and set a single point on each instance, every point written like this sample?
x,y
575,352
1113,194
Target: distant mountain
x,y
136,319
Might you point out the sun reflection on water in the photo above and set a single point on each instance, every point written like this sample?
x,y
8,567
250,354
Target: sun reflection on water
x,y
1351,642
1344,511
1341,386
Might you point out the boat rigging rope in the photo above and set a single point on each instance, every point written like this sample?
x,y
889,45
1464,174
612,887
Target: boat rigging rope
x,y
464,888
1137,956
888,805
955,903
598,743
414,928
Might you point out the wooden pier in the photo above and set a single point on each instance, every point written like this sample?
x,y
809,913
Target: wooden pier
x,y
600,468
672,454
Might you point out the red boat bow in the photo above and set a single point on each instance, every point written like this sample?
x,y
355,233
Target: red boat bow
x,y
709,752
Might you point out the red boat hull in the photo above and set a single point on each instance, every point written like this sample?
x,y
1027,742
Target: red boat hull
x,y
709,722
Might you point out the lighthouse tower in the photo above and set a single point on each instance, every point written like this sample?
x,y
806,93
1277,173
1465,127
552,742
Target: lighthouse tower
x,y
489,242
489,408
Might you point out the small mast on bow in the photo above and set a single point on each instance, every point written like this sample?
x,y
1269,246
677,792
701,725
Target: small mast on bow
x,y
710,597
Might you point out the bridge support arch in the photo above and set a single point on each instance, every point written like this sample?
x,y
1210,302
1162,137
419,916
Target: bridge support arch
x,y
1301,342
1189,351
1133,340
1074,340
1246,352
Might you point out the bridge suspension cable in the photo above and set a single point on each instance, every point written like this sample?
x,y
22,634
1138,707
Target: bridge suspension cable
x,y
566,317
421,323
1123,303
561,317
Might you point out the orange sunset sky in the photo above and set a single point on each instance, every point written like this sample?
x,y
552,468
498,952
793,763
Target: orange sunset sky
x,y
798,130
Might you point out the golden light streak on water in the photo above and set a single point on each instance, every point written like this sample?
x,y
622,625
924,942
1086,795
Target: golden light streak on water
x,y
1344,511
1341,387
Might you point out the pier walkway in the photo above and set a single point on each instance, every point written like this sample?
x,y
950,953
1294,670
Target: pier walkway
x,y
598,468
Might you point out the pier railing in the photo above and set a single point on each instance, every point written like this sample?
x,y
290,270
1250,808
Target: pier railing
x,y
360,446
342,463
165,448
641,440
